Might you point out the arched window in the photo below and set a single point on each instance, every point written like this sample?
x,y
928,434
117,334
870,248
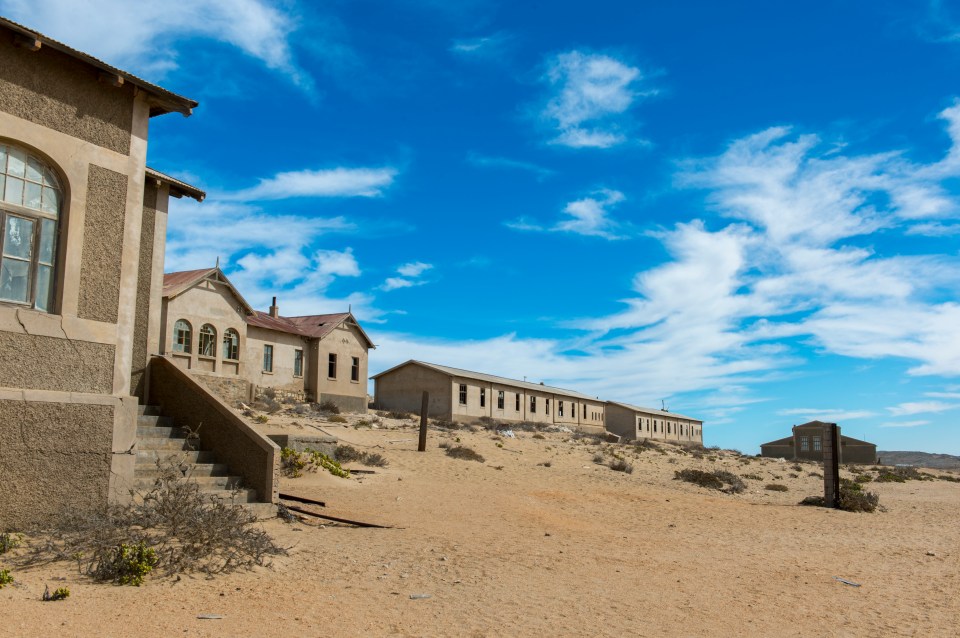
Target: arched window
x,y
231,344
208,341
181,336
30,202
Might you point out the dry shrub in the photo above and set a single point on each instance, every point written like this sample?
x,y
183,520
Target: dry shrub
x,y
329,407
464,453
183,531
898,475
852,498
336,418
753,477
948,477
776,487
621,465
349,454
712,480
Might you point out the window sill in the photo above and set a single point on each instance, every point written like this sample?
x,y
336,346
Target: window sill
x,y
267,371
204,357
298,376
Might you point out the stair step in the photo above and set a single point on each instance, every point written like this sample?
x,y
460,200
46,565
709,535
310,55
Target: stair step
x,y
233,496
155,419
206,483
148,409
160,443
194,470
183,456
152,432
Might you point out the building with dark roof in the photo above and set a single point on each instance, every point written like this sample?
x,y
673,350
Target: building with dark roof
x,y
806,443
211,330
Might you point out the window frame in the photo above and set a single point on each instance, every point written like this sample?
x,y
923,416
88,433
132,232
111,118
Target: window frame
x,y
355,369
230,346
209,339
483,397
533,404
501,399
183,346
332,365
49,180
268,358
517,402
560,407
463,394
298,362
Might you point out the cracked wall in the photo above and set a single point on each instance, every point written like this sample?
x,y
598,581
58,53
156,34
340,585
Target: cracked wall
x,y
55,457
48,363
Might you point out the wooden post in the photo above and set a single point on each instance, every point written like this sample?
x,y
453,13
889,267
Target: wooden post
x,y
831,465
424,405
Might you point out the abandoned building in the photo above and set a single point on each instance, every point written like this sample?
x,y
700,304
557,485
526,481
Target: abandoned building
x,y
82,233
210,329
806,443
465,396
632,422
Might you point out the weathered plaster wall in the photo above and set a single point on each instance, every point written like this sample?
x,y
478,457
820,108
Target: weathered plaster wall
x,y
621,421
345,342
103,245
206,303
402,390
233,390
284,345
141,345
54,457
49,363
56,91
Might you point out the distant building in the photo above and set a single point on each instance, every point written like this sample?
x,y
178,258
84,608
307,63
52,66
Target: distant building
x,y
806,443
211,330
465,396
632,422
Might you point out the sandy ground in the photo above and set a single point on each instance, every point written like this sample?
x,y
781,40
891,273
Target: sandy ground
x,y
514,547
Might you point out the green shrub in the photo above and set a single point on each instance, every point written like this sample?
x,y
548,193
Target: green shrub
x,y
61,593
464,453
292,463
9,541
261,418
127,564
948,477
898,475
5,578
863,478
852,499
776,487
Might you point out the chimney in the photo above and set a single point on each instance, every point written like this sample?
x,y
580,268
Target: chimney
x,y
274,310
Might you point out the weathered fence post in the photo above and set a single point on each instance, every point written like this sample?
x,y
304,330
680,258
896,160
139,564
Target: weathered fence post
x,y
831,465
424,405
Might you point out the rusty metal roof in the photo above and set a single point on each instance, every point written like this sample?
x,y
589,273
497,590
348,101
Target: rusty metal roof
x,y
163,101
177,188
175,283
653,411
312,326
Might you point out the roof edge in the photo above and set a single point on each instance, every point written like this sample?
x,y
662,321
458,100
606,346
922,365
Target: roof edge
x,y
178,188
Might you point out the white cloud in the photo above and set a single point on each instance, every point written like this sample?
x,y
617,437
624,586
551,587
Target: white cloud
x,y
903,424
934,229
143,36
588,216
483,46
830,416
921,407
484,161
334,182
593,94
409,276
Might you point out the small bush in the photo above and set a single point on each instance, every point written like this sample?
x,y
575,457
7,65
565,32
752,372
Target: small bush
x,y
712,480
444,445
776,487
336,418
127,564
402,416
753,477
9,541
348,454
363,423
5,578
796,467
898,475
599,458
545,464
268,404
292,463
261,418
270,393
61,593
863,478
815,475
813,501
621,465
942,477
537,435
464,453
329,406
301,409
858,501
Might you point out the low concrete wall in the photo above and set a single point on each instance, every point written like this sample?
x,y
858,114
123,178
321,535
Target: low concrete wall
x,y
346,403
248,453
299,443
233,390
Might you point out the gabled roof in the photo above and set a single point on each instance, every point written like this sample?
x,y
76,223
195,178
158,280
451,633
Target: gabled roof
x,y
177,283
161,100
489,378
312,326
785,441
654,411
818,424
177,188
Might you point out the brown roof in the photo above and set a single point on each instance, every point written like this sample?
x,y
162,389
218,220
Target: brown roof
x,y
162,101
312,326
177,188
176,282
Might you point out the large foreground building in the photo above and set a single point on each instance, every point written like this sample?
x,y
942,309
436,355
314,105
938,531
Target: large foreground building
x,y
806,443
466,396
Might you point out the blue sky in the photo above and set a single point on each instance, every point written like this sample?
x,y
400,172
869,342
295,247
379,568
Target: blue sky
x,y
748,210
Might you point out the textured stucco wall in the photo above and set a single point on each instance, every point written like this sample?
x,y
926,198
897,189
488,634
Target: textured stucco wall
x,y
102,245
248,453
53,456
141,347
54,90
402,390
621,421
346,403
346,342
284,345
49,363
233,390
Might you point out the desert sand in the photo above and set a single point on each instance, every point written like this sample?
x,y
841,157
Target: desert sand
x,y
512,546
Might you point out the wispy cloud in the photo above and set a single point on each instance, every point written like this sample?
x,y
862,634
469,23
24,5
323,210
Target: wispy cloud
x,y
592,95
588,216
410,276
333,182
143,36
485,161
828,415
488,46
904,424
934,229
921,407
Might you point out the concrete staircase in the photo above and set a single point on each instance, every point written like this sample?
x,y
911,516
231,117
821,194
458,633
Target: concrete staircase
x,y
159,439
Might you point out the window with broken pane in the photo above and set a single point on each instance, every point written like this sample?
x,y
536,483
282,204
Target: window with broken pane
x,y
208,341
181,335
231,344
30,197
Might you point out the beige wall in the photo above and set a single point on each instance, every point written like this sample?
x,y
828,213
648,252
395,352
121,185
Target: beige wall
x,y
641,424
284,345
403,390
346,342
206,303
65,376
